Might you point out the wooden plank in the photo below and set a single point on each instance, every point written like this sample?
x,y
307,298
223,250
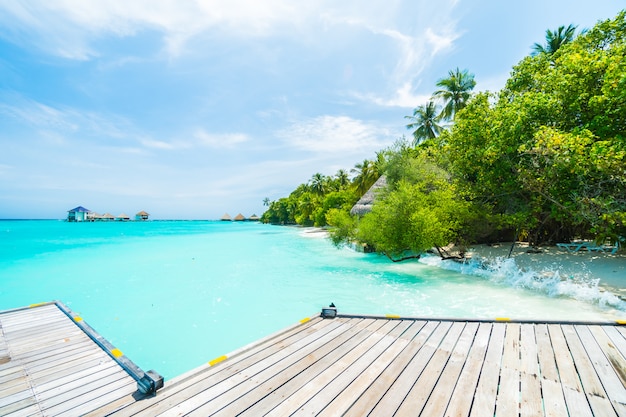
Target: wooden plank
x,y
308,391
16,371
77,380
26,411
425,383
60,367
592,385
17,385
531,404
56,353
208,377
293,383
342,402
73,404
616,351
507,401
401,387
606,373
247,393
343,381
16,407
575,398
441,395
377,389
552,391
487,389
270,393
463,394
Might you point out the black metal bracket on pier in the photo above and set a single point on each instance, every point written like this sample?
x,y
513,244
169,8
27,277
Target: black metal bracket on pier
x,y
329,312
147,382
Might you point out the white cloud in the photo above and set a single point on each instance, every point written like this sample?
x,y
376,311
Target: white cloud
x,y
67,27
441,41
403,97
221,140
331,134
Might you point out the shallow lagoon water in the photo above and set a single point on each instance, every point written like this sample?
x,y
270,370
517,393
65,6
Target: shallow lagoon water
x,y
173,295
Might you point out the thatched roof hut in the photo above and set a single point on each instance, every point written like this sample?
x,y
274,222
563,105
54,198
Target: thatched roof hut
x,y
365,203
107,217
254,218
238,218
123,217
226,217
142,215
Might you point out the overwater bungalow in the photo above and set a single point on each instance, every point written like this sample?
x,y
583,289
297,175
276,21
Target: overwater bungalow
x,y
226,217
239,218
254,218
107,217
123,218
141,216
78,214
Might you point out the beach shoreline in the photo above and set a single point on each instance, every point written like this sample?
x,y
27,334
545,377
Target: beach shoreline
x,y
551,261
545,262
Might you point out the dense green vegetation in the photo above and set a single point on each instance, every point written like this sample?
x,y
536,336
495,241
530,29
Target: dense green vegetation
x,y
542,160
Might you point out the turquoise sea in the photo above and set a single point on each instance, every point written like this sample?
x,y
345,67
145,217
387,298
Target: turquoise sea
x,y
173,295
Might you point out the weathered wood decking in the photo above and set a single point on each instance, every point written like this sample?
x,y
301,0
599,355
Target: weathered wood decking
x,y
348,365
49,365
360,366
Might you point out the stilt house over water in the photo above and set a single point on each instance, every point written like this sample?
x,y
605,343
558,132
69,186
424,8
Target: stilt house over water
x,y
142,215
78,214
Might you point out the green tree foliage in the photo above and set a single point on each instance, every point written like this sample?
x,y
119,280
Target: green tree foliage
x,y
309,203
549,154
545,158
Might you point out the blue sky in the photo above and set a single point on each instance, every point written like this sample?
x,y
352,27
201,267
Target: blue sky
x,y
191,109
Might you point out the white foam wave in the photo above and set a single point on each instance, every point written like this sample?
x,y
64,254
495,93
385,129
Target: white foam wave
x,y
581,286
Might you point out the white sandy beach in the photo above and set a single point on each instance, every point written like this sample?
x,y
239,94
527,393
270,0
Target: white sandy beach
x,y
547,261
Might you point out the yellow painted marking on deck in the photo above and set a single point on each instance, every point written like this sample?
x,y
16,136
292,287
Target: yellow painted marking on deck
x,y
620,321
503,319
218,360
78,319
116,352
36,305
392,316
304,320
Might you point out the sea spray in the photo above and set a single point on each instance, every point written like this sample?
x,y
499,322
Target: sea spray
x,y
550,281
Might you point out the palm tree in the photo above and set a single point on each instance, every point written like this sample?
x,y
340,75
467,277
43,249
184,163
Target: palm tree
x,y
318,184
342,178
424,122
455,91
554,40
366,175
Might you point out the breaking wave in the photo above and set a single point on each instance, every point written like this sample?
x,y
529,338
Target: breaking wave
x,y
551,281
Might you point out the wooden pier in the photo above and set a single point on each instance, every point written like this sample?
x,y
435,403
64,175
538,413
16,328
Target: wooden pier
x,y
53,364
383,366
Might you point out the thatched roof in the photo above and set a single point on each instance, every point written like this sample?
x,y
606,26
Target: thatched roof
x,y
142,213
107,216
239,217
365,203
254,217
226,216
